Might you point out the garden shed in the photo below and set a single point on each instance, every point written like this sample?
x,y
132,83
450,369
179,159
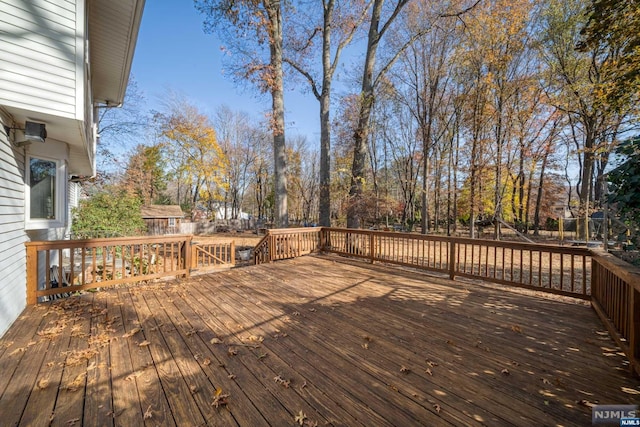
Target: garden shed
x,y
162,219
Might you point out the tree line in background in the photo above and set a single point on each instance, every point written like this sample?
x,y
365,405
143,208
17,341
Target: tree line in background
x,y
453,112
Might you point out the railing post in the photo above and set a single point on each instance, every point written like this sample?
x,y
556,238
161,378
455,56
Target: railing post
x,y
452,259
372,247
634,328
272,246
32,275
188,249
233,252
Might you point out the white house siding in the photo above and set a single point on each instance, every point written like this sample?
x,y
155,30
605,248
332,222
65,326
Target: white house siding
x,y
12,234
42,64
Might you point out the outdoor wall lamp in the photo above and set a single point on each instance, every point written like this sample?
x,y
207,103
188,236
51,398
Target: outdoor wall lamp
x,y
33,132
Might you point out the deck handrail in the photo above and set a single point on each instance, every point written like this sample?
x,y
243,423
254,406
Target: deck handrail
x,y
549,268
65,266
616,298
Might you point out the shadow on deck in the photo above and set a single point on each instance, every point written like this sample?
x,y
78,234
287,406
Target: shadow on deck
x,y
310,340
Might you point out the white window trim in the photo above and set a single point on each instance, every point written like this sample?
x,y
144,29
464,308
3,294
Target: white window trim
x,y
61,194
172,222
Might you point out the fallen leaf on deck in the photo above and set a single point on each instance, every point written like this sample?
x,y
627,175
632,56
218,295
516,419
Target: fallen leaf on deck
x,y
219,399
404,370
516,328
72,421
282,381
42,383
546,381
206,361
299,419
431,364
505,371
133,376
231,376
148,414
18,350
232,351
365,346
77,383
144,343
193,389
428,371
437,408
585,402
131,332
215,341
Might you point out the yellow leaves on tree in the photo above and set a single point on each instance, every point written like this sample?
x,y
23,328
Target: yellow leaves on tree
x,y
193,151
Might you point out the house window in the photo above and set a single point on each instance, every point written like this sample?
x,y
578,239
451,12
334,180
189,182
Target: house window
x,y
172,222
46,190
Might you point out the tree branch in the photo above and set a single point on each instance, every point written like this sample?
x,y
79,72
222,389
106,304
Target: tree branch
x,y
306,75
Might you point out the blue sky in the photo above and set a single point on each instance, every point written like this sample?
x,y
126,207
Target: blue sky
x,y
173,53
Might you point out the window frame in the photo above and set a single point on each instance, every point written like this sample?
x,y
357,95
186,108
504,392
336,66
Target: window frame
x,y
60,210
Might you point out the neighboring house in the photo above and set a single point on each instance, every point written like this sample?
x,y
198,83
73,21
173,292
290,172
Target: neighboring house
x,y
162,219
61,60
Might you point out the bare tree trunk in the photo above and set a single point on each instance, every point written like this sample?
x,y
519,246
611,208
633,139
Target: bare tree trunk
x,y
536,216
274,11
361,135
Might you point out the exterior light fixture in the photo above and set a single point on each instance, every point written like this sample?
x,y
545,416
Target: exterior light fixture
x,y
33,132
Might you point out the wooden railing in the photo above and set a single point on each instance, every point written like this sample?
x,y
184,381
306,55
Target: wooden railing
x,y
285,243
616,298
210,253
548,268
66,266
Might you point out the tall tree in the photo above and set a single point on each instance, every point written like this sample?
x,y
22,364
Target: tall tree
x,y
144,176
341,24
578,83
237,140
233,20
614,24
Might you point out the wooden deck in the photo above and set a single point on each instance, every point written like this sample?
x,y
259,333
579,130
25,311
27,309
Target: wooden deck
x,y
310,341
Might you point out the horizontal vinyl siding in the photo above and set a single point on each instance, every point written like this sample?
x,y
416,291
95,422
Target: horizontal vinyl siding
x,y
39,58
12,233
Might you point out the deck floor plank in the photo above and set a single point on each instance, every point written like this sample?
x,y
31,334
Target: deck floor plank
x,y
344,343
98,405
243,367
278,368
386,393
152,398
363,345
20,367
126,402
42,401
177,334
179,396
